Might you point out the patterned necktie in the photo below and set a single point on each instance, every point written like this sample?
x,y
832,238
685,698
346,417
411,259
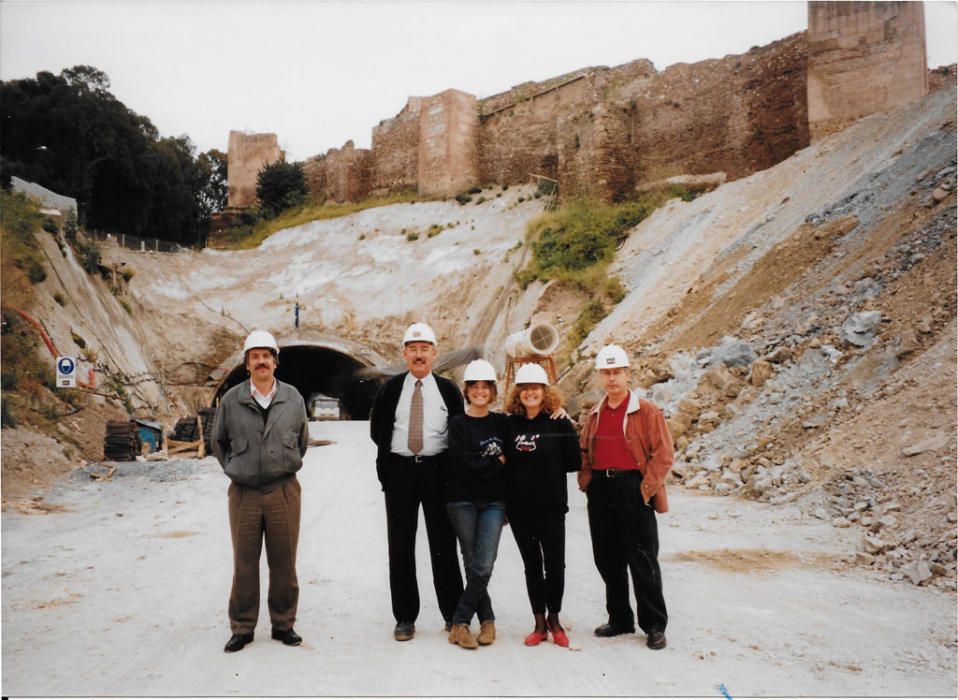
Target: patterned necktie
x,y
415,420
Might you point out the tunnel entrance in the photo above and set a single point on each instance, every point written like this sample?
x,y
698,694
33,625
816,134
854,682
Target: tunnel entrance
x,y
314,369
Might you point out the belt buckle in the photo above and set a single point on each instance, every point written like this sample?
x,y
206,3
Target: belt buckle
x,y
418,459
609,473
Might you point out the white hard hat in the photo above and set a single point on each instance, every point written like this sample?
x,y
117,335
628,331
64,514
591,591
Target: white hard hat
x,y
479,371
260,339
419,333
610,357
531,374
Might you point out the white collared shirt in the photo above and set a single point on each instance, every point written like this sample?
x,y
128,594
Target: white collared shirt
x,y
263,400
435,419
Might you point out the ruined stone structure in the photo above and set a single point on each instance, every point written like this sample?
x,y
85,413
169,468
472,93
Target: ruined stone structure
x,y
341,175
864,57
247,155
603,131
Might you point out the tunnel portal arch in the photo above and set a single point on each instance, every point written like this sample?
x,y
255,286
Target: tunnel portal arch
x,y
338,369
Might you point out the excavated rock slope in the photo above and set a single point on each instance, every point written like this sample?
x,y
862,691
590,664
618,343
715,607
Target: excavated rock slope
x,y
798,327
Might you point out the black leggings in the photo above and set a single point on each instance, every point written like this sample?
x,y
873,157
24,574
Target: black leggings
x,y
540,537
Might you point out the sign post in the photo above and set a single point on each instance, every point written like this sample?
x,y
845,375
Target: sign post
x,y
66,372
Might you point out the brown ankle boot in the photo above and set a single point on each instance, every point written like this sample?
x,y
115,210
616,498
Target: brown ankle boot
x,y
461,635
487,632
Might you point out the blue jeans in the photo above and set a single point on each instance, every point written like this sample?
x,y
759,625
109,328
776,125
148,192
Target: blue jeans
x,y
478,526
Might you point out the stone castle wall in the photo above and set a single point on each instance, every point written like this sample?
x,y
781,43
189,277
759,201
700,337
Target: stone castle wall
x,y
604,131
864,57
247,155
395,146
341,175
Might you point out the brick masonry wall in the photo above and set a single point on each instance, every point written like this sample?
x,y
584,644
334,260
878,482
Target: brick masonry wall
x,y
395,146
942,77
602,131
738,114
247,155
340,175
864,57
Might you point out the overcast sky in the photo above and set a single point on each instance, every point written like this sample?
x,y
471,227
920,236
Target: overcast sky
x,y
321,73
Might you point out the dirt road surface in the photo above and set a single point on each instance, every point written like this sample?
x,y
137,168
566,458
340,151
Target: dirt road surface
x,y
121,589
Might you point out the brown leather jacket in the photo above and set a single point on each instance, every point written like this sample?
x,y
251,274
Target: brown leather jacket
x,y
648,439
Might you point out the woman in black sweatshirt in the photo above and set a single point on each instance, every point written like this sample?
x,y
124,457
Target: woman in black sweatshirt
x,y
475,499
540,452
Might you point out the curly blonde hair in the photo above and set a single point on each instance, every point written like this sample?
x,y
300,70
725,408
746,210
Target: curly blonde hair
x,y
551,402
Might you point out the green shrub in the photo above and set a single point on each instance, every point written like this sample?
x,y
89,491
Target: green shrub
x,y
480,200
51,227
434,230
126,306
78,339
463,198
59,298
476,251
89,256
128,273
412,236
33,269
583,234
474,190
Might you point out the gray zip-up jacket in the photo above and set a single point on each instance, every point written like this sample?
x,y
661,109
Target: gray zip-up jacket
x,y
254,454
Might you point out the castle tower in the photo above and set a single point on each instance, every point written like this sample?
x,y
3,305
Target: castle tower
x,y
247,155
448,143
863,58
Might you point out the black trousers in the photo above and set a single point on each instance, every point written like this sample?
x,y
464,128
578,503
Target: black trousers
x,y
407,485
540,537
625,539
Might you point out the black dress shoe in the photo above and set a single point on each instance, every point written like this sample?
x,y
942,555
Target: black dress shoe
x,y
404,631
610,630
237,642
287,637
656,640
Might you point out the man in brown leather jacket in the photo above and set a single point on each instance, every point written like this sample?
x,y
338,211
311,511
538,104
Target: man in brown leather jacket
x,y
626,456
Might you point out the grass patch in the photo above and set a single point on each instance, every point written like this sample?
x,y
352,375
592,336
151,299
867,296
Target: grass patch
x,y
19,221
583,234
250,235
575,244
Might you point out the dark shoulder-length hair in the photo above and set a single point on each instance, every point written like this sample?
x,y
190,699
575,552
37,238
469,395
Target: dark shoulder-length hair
x,y
551,402
492,387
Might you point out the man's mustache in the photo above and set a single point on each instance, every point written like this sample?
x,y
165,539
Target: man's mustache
x,y
262,365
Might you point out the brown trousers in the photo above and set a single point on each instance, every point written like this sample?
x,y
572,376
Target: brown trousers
x,y
255,516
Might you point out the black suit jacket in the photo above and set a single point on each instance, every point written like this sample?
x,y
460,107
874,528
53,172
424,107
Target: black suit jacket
x,y
383,415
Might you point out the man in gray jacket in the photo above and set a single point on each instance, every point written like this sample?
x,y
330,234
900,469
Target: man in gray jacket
x,y
259,437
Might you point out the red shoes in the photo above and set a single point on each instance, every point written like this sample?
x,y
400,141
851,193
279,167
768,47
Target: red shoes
x,y
533,639
559,637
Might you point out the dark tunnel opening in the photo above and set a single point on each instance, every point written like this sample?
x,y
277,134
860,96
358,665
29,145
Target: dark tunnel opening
x,y
318,370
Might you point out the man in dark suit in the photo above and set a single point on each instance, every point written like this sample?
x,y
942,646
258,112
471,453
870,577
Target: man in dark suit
x,y
409,426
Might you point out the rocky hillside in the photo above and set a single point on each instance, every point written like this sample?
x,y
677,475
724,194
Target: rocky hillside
x,y
799,328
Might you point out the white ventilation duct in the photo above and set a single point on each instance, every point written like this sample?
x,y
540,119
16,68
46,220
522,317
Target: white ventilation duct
x,y
537,339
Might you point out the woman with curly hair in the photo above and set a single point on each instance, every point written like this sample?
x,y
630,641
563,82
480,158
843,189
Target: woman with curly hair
x,y
541,450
